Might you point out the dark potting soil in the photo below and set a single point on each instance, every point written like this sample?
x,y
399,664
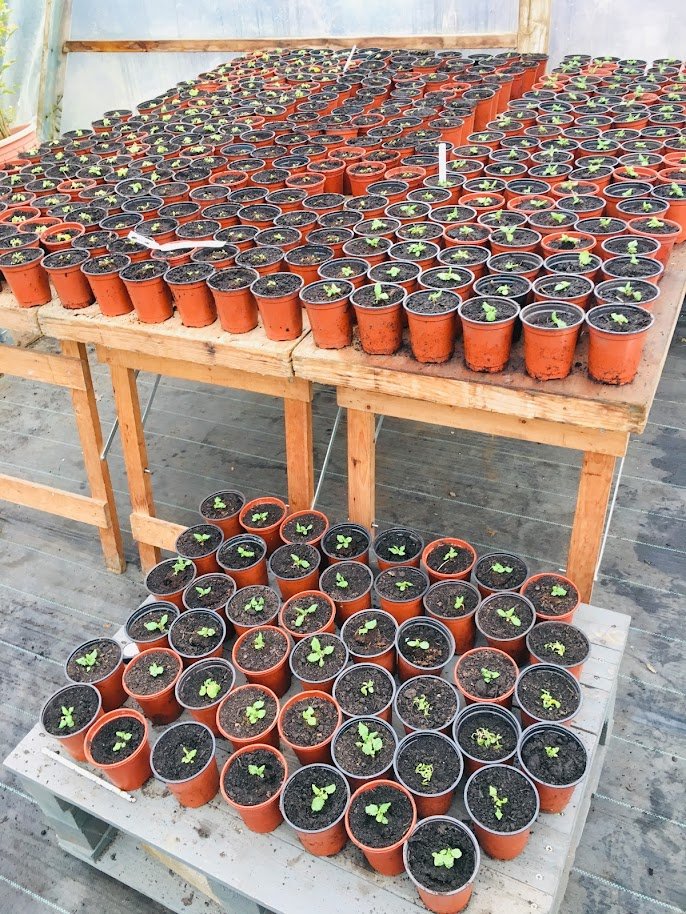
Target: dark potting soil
x,y
580,203
307,614
356,575
504,628
636,320
441,757
563,244
468,737
558,643
195,633
102,745
251,789
80,700
335,541
340,270
137,630
427,703
434,837
662,228
513,263
261,256
257,659
520,237
302,733
564,768
436,655
511,286
464,255
540,594
196,675
550,218
141,681
469,673
189,546
64,258
309,255
298,796
451,600
373,833
363,247
274,285
324,668
256,519
367,641
626,245
254,605
106,263
420,231
571,264
234,720
545,318
350,757
474,310
569,287
231,558
433,302
533,688
305,528
107,658
401,584
284,565
178,743
511,578
600,226
364,689
366,297
441,558
511,784
406,545
220,586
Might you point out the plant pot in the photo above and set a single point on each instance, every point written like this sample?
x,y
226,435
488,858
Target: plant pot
x,y
614,355
347,606
297,609
400,546
548,347
400,591
559,643
380,325
277,676
168,580
487,343
64,269
320,840
432,790
252,520
415,659
254,729
427,702
497,843
133,771
317,660
306,575
497,746
387,860
149,293
564,689
361,174
105,673
253,606
308,526
191,790
84,706
355,767
549,605
226,517
23,136
200,543
440,603
26,277
192,296
253,568
262,817
498,691
550,776
432,320
107,287
354,696
200,681
160,705
457,567
499,571
371,644
346,543
233,300
197,634
330,317
317,750
504,620
450,894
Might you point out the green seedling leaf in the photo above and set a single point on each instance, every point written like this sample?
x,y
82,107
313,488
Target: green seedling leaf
x,y
415,642
188,755
321,795
258,642
206,631
341,581
88,660
378,812
159,626
510,615
309,716
501,569
210,689
256,711
421,703
319,653
558,320
426,772
498,801
487,739
489,675
446,857
67,718
123,738
370,741
367,688
257,771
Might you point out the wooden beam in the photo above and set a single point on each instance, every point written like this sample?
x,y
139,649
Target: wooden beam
x,y
81,508
154,531
361,467
42,366
533,32
299,451
239,45
595,483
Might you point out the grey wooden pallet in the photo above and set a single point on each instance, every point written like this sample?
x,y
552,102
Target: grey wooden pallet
x,y
166,851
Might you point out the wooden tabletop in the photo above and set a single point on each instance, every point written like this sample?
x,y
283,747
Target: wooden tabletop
x,y
576,399
14,317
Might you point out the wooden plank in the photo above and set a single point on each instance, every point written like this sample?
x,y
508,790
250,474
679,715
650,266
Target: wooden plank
x,y
299,450
60,370
595,483
14,317
361,466
540,431
54,501
97,469
241,45
155,531
533,32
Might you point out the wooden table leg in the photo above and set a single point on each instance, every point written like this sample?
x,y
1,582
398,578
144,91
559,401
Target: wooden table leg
x,y
97,470
361,466
299,450
595,484
135,453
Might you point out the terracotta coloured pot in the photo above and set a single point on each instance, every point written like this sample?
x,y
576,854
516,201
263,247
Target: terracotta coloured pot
x,y
553,798
505,700
386,860
575,669
269,534
347,608
229,526
324,842
151,297
446,902
254,574
206,715
549,351
512,646
321,752
278,677
501,845
132,772
666,241
236,309
193,300
316,541
269,736
542,617
432,336
109,290
331,321
614,357
462,628
402,610
73,290
381,329
28,282
291,587
447,541
110,686
263,817
282,315
161,707
74,742
302,597
199,789
487,345
471,763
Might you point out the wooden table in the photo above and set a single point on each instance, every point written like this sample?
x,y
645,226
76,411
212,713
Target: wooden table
x,y
576,412
140,842
68,369
247,361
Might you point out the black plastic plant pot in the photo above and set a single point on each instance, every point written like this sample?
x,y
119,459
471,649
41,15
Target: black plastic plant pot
x,y
490,580
192,745
486,734
430,766
202,686
502,829
427,702
398,546
68,713
365,690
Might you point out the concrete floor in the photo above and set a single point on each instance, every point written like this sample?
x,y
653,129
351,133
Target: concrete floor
x,y
493,492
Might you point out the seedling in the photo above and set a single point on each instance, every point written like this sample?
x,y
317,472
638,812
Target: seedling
x,y
188,755
347,271
446,857
379,294
342,541
548,701
123,738
258,641
422,704
321,795
298,562
206,631
203,591
489,676
557,320
155,670
561,286
558,591
302,612
259,517
256,711
498,802
303,529
201,537
67,718
448,275
509,233
332,289
367,688
503,290
367,627
341,581
426,772
416,249
370,741
399,551
487,739
619,318
218,504
558,217
654,222
511,616
180,565
557,647
378,812
629,292
257,771
319,653
309,716
255,605
372,242
501,569
459,603
245,553
552,751
416,642
403,585
490,311
89,660
675,190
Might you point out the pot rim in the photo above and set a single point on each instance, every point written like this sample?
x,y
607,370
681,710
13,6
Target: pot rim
x,y
358,596
551,305
565,666
194,667
316,682
365,788
604,309
253,631
375,667
147,607
352,620
87,644
59,691
106,719
438,626
354,721
305,697
497,323
233,691
452,581
135,660
486,707
514,594
494,555
259,541
560,671
510,660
